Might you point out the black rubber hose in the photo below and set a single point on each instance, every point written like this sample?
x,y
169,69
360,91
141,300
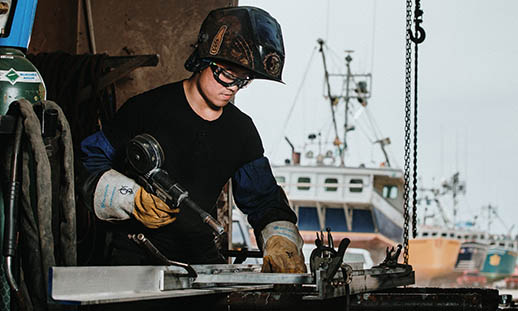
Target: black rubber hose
x,y
14,190
11,210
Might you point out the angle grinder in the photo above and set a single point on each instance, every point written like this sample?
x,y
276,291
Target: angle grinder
x,y
145,157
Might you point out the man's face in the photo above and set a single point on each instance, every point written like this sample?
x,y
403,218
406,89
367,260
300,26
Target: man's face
x,y
218,83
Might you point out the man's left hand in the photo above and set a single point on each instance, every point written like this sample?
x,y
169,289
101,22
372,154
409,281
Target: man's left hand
x,y
282,248
282,256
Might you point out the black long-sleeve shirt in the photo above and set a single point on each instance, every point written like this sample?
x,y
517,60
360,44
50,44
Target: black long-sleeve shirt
x,y
201,155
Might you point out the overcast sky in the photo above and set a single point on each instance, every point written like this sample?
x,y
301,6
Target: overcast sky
x,y
467,89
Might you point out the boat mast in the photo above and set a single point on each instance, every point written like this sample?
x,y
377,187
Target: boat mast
x,y
348,60
361,92
333,101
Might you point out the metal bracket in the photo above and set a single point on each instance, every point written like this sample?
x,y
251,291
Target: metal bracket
x,y
122,65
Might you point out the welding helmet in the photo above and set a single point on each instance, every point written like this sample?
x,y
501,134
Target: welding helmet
x,y
245,36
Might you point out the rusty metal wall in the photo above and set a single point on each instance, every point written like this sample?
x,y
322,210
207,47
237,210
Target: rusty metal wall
x,y
126,27
54,27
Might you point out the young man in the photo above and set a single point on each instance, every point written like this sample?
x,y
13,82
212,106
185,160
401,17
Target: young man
x,y
206,140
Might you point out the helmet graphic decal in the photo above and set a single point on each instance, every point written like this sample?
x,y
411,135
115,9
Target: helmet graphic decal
x,y
242,52
218,39
272,64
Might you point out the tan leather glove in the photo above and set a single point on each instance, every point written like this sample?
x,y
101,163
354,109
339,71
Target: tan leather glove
x,y
282,248
282,256
118,197
151,211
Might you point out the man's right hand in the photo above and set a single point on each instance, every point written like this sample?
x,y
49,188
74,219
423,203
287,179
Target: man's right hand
x,y
152,211
118,197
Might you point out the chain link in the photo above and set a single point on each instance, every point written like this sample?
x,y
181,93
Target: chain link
x,y
408,90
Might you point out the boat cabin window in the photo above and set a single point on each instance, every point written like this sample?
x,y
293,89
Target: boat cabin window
x,y
356,185
303,183
510,245
362,221
459,237
330,183
444,234
308,218
452,235
434,233
466,237
501,244
390,192
482,236
425,233
335,219
492,243
280,179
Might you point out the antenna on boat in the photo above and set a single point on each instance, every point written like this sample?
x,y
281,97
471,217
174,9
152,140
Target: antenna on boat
x,y
295,156
383,142
456,186
435,198
492,211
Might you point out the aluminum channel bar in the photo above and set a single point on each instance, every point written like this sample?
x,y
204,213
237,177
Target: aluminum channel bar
x,y
100,285
171,281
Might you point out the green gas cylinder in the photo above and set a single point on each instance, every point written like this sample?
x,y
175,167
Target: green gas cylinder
x,y
18,79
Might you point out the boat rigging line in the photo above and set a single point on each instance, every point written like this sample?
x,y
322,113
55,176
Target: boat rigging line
x,y
409,147
295,100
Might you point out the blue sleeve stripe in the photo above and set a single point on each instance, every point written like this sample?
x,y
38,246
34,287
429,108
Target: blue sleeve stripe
x,y
97,152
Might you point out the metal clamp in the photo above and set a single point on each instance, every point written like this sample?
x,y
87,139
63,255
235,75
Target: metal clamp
x,y
391,258
326,257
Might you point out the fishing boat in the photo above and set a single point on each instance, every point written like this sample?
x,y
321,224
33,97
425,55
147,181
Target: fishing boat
x,y
364,204
445,250
500,260
433,254
472,252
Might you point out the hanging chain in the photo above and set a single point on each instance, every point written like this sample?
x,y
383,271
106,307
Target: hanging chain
x,y
418,14
408,91
417,39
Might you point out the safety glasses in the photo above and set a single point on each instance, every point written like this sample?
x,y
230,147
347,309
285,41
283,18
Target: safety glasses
x,y
228,79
